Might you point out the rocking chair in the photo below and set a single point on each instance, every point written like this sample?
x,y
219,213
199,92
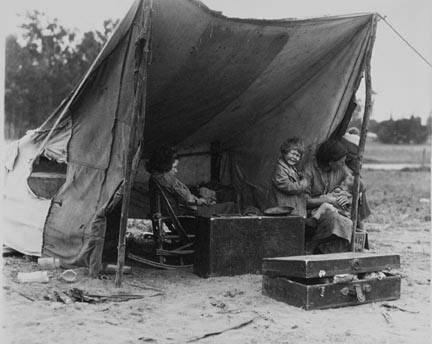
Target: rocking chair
x,y
173,243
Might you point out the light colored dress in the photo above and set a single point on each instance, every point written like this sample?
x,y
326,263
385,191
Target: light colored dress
x,y
287,189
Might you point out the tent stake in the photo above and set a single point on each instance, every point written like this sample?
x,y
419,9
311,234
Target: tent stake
x,y
137,124
363,133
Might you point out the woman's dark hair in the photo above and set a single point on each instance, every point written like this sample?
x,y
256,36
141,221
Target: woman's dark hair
x,y
161,160
330,150
292,143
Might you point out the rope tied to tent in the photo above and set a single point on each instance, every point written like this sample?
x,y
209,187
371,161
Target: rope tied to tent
x,y
384,18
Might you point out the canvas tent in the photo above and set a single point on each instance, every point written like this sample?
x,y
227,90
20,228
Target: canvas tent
x,y
244,84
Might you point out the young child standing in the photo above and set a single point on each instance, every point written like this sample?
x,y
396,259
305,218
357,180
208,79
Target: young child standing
x,y
289,186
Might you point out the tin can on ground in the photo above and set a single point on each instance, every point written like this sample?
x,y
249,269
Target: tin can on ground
x,y
112,268
49,262
36,276
359,241
69,276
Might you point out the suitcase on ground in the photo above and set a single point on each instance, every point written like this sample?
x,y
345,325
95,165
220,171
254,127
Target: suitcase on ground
x,y
234,245
332,280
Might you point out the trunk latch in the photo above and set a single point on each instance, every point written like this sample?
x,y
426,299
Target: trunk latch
x,y
357,290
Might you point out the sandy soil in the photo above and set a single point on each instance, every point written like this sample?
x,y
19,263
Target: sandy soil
x,y
184,307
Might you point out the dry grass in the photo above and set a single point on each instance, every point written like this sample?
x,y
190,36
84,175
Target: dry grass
x,y
397,196
385,153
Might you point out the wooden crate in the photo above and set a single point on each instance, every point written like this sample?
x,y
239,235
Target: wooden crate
x,y
306,281
234,245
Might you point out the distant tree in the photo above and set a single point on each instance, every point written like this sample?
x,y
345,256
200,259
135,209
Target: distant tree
x,y
42,66
402,131
429,124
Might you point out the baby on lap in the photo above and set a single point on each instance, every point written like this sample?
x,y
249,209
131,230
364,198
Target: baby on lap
x,y
344,189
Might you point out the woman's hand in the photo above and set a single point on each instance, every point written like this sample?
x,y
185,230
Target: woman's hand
x,y
330,198
342,200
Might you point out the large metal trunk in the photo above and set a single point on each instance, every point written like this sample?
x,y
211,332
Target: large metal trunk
x,y
332,280
234,245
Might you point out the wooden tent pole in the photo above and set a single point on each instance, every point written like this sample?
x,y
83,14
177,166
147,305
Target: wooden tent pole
x,y
363,133
137,123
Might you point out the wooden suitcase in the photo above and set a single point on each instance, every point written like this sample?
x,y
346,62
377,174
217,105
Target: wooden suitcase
x,y
234,245
317,281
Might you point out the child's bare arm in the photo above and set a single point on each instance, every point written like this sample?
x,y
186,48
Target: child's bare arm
x,y
314,202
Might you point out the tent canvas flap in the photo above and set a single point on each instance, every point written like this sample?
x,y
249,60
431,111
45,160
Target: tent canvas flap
x,y
247,84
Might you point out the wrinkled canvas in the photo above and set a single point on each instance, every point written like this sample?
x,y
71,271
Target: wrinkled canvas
x,y
248,84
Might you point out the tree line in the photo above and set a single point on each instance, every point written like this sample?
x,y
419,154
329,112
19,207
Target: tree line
x,y
401,131
43,64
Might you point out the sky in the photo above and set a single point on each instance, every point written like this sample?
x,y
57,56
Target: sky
x,y
401,80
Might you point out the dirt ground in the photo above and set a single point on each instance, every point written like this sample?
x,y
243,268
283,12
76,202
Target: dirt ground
x,y
180,307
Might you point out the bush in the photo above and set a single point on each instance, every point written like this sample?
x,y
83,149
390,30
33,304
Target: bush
x,y
402,131
42,67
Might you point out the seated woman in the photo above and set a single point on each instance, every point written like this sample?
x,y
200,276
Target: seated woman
x,y
162,167
325,173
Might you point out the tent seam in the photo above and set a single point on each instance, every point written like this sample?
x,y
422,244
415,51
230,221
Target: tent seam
x,y
275,22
